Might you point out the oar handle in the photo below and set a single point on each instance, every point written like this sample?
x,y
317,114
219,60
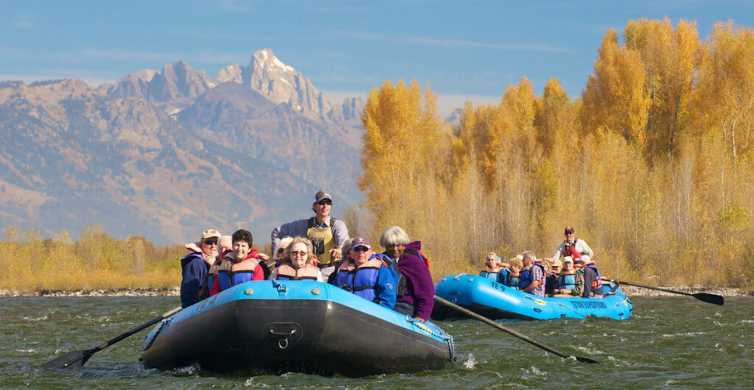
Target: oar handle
x,y
508,330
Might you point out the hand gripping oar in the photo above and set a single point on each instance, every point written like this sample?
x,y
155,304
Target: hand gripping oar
x,y
704,297
509,331
77,359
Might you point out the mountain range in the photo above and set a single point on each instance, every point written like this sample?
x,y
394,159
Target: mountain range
x,y
165,153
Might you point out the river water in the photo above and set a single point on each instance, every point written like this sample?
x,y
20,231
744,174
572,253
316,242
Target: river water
x,y
669,343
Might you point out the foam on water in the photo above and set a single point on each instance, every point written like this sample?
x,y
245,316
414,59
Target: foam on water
x,y
35,319
470,362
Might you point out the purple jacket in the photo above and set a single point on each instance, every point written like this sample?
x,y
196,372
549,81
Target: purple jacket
x,y
420,291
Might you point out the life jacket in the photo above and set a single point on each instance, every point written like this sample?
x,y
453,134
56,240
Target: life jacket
x,y
243,271
307,272
489,275
504,277
567,281
392,265
596,283
224,275
322,238
361,280
230,274
514,281
524,278
570,250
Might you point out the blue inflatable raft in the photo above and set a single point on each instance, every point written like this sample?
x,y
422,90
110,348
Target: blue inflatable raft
x,y
295,326
495,300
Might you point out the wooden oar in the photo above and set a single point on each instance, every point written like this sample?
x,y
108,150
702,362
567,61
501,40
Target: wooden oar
x,y
509,331
704,297
77,359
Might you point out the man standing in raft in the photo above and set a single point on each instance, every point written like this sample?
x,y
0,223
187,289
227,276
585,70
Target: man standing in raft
x,y
326,233
574,247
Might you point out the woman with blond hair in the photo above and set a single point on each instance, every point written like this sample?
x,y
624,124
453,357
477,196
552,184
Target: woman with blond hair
x,y
517,264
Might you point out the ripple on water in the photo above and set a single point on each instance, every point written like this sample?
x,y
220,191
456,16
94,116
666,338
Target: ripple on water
x,y
665,342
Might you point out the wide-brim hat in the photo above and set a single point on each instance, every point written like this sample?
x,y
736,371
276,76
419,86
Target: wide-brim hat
x,y
210,233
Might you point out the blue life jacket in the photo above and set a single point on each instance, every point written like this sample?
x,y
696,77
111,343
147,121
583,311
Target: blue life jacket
x,y
504,277
489,275
361,281
567,282
524,278
514,281
242,276
224,279
365,281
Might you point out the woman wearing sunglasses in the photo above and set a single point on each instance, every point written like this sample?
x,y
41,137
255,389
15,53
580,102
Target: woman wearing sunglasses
x,y
298,263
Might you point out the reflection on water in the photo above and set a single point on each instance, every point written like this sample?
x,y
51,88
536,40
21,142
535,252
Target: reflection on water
x,y
670,342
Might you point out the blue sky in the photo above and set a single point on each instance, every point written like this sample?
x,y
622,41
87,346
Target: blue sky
x,y
461,49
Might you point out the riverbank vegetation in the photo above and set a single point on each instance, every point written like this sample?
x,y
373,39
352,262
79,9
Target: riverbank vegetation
x,y
653,164
94,261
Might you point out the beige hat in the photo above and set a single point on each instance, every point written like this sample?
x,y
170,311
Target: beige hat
x,y
568,259
209,233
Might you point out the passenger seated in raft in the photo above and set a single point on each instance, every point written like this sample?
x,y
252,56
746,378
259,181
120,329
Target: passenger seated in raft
x,y
240,265
495,269
491,266
299,264
195,267
532,276
364,274
280,257
553,273
345,250
415,289
587,282
567,278
516,265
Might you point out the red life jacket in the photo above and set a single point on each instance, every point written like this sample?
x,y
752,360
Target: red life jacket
x,y
570,250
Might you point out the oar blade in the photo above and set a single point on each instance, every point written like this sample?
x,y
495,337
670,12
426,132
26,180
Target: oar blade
x,y
586,360
710,298
75,360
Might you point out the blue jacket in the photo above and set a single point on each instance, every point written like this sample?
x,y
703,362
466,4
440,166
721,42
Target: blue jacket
x,y
194,278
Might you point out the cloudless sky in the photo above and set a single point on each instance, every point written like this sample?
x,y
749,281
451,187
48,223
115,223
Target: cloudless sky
x,y
461,49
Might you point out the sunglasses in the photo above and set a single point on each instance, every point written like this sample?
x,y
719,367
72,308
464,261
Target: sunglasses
x,y
298,253
360,249
210,241
324,202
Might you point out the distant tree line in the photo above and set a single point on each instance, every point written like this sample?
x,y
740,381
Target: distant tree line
x,y
653,164
95,261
